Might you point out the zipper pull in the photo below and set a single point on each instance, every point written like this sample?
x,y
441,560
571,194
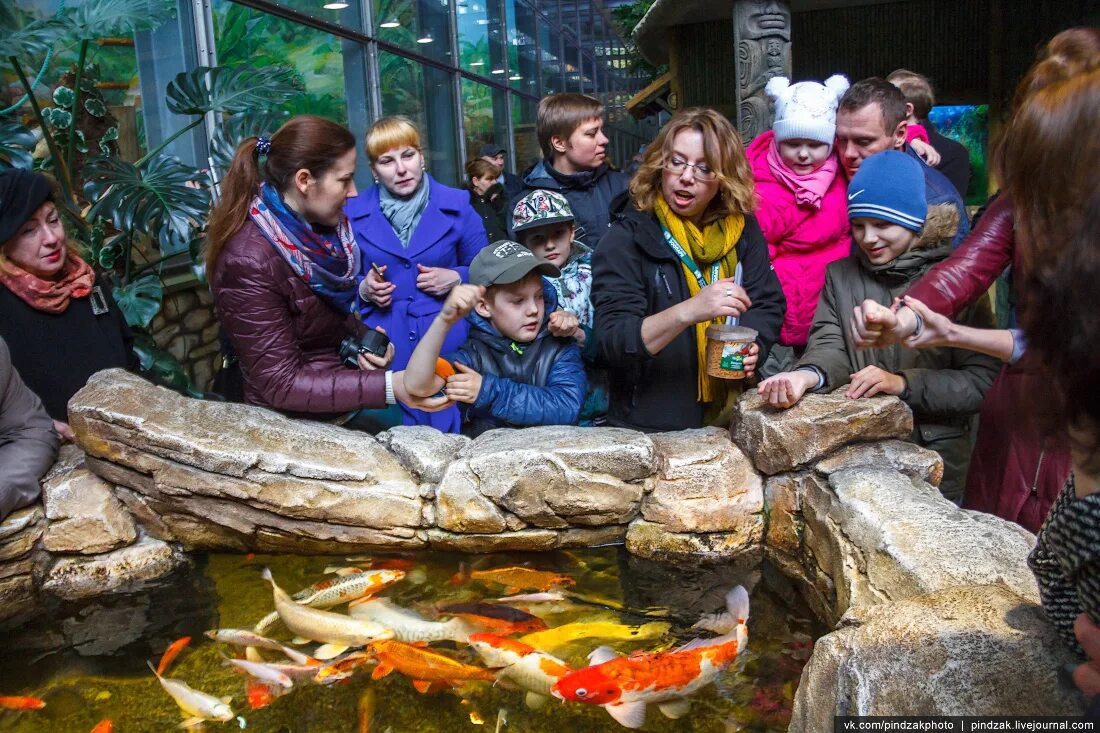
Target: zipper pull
x,y
661,273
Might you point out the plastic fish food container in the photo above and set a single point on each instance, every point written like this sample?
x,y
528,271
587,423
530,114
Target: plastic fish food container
x,y
727,347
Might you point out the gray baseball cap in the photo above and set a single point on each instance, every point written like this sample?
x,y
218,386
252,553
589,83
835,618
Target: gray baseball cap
x,y
504,262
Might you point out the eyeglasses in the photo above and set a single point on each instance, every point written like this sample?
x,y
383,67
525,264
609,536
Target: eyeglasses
x,y
701,171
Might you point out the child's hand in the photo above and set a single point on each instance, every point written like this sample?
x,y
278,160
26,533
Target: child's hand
x,y
375,289
464,386
787,388
870,381
564,324
436,280
874,325
930,154
460,302
750,359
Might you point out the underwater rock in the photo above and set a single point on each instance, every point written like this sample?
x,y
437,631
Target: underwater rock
x,y
909,458
882,536
423,451
780,440
85,516
705,483
76,577
652,541
552,477
959,651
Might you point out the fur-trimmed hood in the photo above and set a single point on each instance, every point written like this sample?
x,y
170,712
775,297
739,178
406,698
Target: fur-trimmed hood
x,y
941,224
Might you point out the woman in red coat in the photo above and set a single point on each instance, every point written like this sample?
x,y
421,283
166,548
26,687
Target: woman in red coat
x,y
283,266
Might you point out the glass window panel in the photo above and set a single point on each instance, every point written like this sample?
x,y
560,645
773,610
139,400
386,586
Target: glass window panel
x,y
572,60
485,116
522,54
341,12
525,139
426,96
550,49
246,36
420,26
480,36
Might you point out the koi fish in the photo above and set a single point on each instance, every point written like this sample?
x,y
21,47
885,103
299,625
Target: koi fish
x,y
550,597
562,635
172,652
364,709
336,631
342,571
22,703
249,639
516,579
341,669
104,726
262,671
503,620
394,563
408,626
534,671
259,694
423,666
333,592
197,705
623,686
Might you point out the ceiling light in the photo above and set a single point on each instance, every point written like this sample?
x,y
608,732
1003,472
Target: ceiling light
x,y
498,71
514,77
426,38
477,63
390,24
335,5
482,21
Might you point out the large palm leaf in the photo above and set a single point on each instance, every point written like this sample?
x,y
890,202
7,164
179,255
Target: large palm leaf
x,y
231,90
154,199
106,18
33,39
16,145
228,135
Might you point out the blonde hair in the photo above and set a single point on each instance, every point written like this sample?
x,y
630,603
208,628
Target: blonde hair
x,y
724,154
559,115
387,133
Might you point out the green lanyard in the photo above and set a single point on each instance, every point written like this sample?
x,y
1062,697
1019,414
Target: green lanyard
x,y
689,263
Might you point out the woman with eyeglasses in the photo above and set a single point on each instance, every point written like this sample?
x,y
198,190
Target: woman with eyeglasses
x,y
666,269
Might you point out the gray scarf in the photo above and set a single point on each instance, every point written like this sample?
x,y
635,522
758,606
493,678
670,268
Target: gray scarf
x,y
404,214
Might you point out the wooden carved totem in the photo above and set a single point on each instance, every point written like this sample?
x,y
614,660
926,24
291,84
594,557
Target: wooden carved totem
x,y
762,37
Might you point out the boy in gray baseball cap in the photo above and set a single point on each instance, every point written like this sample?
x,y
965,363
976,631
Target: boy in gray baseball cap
x,y
511,371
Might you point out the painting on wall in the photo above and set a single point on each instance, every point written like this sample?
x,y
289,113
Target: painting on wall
x,y
969,125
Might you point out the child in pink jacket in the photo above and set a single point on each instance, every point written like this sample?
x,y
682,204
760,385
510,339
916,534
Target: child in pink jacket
x,y
803,205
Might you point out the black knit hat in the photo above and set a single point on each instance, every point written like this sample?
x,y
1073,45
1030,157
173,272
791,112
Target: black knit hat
x,y
21,193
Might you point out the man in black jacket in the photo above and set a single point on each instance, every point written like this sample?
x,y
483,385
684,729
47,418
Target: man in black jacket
x,y
954,157
512,184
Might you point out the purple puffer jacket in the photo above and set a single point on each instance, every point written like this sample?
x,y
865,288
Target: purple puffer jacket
x,y
285,336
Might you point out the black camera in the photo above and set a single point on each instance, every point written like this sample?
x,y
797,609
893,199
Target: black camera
x,y
371,342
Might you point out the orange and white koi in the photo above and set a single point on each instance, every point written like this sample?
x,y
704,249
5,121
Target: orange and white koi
x,y
342,668
515,579
534,671
172,652
426,668
407,625
333,592
23,702
336,631
625,685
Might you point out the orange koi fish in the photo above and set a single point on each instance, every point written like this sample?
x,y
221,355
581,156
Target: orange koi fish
x,y
625,685
516,579
394,563
104,726
259,694
503,620
341,669
423,666
22,703
534,671
172,652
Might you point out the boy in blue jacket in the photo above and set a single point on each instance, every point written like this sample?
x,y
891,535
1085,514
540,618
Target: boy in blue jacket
x,y
511,371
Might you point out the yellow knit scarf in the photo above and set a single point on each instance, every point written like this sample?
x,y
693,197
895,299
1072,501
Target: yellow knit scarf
x,y
715,242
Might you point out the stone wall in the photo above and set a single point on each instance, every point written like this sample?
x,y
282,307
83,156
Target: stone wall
x,y
932,605
187,328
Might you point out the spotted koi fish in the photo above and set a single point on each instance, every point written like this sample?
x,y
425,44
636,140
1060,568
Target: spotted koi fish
x,y
534,671
333,592
625,685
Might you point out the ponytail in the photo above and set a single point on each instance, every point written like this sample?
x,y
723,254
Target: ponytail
x,y
238,188
306,141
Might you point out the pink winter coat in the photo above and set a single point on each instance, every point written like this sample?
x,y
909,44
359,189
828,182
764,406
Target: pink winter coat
x,y
801,240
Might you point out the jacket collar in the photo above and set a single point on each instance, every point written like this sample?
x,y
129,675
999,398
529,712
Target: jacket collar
x,y
487,332
370,224
647,234
543,175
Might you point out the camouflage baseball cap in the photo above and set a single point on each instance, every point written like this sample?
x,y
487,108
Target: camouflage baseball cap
x,y
539,208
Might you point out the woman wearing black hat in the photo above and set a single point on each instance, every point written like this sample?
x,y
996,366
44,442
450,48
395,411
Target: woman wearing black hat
x,y
58,316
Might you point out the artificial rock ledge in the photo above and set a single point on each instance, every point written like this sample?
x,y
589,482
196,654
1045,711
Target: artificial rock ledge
x,y
830,492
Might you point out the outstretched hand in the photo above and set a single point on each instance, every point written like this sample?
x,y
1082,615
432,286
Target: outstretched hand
x,y
787,388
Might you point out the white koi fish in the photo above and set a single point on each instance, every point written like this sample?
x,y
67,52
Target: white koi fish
x,y
329,593
198,706
408,626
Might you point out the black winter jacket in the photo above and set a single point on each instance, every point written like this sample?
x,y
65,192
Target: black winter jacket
x,y
636,275
589,194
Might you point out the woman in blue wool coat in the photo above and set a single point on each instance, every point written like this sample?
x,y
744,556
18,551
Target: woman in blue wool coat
x,y
418,238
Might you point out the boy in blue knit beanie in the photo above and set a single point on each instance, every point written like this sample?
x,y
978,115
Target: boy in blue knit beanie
x,y
899,238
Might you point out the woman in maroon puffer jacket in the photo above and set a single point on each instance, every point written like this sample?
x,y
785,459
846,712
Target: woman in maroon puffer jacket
x,y
283,267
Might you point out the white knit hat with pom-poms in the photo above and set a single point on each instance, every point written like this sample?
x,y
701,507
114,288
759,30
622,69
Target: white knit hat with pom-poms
x,y
806,110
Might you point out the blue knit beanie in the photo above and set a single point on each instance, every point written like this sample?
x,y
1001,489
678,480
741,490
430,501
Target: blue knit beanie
x,y
889,186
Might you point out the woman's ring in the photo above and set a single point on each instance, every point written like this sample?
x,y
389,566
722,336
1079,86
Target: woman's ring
x,y
729,292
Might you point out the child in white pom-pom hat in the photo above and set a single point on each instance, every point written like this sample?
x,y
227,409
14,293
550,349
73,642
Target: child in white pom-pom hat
x,y
803,207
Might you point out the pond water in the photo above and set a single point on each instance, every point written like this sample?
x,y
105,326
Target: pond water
x,y
89,664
